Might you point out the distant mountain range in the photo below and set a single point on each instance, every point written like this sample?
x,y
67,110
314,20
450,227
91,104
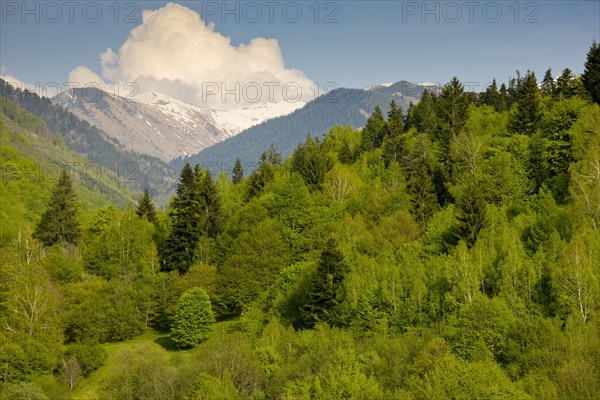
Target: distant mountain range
x,y
338,107
157,134
161,126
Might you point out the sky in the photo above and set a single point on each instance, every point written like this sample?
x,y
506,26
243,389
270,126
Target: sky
x,y
184,48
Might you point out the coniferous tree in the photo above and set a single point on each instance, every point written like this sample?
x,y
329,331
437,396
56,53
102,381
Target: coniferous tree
x,y
491,96
196,212
312,163
265,173
471,214
327,288
238,171
548,86
209,203
180,246
565,84
395,122
59,223
372,134
145,206
503,98
452,111
527,115
591,73
420,184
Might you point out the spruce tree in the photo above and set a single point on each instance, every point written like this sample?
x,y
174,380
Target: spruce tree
x,y
59,223
471,214
548,86
452,111
211,219
311,161
327,288
503,98
180,246
372,134
145,206
591,73
395,122
491,96
238,172
565,84
527,116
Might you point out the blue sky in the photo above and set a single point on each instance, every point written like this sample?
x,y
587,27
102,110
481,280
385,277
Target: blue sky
x,y
365,42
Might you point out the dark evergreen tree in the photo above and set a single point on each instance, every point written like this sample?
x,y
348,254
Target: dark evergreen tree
x,y
271,156
452,112
591,73
196,212
420,184
471,216
565,84
180,246
527,115
238,171
312,162
395,122
393,148
60,223
503,98
491,96
374,131
327,289
145,206
209,202
346,156
548,87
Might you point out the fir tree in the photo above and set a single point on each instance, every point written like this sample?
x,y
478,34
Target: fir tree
x,y
548,86
471,214
503,98
327,288
491,96
395,122
372,134
527,116
452,111
312,163
238,172
145,206
196,212
59,223
565,84
591,73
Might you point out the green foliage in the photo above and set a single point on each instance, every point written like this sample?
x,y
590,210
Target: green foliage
x,y
238,171
312,163
196,213
591,73
526,115
194,320
145,206
60,223
327,290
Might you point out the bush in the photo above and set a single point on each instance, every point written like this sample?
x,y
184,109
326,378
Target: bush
x,y
90,357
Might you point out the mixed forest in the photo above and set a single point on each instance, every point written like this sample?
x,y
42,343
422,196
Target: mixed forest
x,y
447,251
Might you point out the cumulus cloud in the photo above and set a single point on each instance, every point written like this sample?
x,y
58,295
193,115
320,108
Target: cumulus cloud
x,y
176,53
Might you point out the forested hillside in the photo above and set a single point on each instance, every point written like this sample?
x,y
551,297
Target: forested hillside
x,y
450,252
32,158
138,171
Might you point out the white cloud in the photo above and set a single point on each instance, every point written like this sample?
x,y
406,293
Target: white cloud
x,y
176,53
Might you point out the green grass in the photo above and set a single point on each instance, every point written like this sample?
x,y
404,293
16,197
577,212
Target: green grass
x,y
91,387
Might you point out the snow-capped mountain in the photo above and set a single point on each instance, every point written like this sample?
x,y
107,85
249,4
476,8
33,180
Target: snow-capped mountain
x,y
159,125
